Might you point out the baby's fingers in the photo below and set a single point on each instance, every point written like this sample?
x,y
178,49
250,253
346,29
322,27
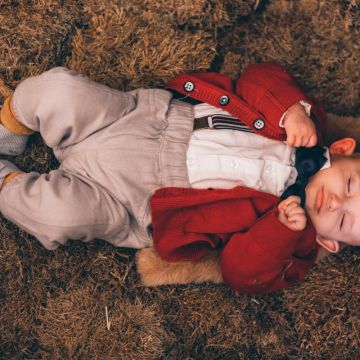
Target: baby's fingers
x,y
302,136
297,222
296,214
309,139
293,207
293,198
290,140
312,141
296,140
290,202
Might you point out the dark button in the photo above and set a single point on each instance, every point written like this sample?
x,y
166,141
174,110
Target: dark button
x,y
259,124
224,100
189,86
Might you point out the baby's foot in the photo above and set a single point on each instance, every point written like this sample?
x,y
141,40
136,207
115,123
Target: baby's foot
x,y
6,168
11,143
13,134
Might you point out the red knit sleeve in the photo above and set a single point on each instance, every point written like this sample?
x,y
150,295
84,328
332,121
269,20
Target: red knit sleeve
x,y
258,253
173,211
263,259
270,90
188,223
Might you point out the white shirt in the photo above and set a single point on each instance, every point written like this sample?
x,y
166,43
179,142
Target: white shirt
x,y
227,158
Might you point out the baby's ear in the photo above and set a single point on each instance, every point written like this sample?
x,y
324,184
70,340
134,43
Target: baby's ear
x,y
345,146
328,244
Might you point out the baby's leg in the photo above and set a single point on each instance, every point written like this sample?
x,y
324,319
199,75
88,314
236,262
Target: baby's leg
x,y
13,134
66,107
58,206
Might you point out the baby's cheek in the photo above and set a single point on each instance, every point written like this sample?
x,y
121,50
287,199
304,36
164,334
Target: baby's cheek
x,y
323,226
316,222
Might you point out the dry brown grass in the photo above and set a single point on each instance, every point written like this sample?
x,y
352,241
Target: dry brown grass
x,y
53,303
317,40
125,47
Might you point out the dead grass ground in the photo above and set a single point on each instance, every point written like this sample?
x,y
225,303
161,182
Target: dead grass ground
x,y
53,303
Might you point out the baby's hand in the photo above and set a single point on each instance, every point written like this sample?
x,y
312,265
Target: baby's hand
x,y
291,214
300,130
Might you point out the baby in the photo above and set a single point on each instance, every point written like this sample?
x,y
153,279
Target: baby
x,y
130,172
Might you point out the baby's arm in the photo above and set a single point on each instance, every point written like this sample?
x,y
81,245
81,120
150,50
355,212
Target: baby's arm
x,y
259,256
291,214
262,259
272,91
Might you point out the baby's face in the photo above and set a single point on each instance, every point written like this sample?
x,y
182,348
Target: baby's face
x,y
333,200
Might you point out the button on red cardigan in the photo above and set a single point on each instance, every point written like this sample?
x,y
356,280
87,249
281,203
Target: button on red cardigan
x,y
258,253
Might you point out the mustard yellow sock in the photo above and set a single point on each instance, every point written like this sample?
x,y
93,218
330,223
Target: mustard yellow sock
x,y
9,178
13,134
9,121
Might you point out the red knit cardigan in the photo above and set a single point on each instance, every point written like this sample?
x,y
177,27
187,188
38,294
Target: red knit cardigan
x,y
258,253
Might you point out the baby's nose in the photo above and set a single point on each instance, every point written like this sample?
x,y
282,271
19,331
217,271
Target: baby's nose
x,y
333,202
